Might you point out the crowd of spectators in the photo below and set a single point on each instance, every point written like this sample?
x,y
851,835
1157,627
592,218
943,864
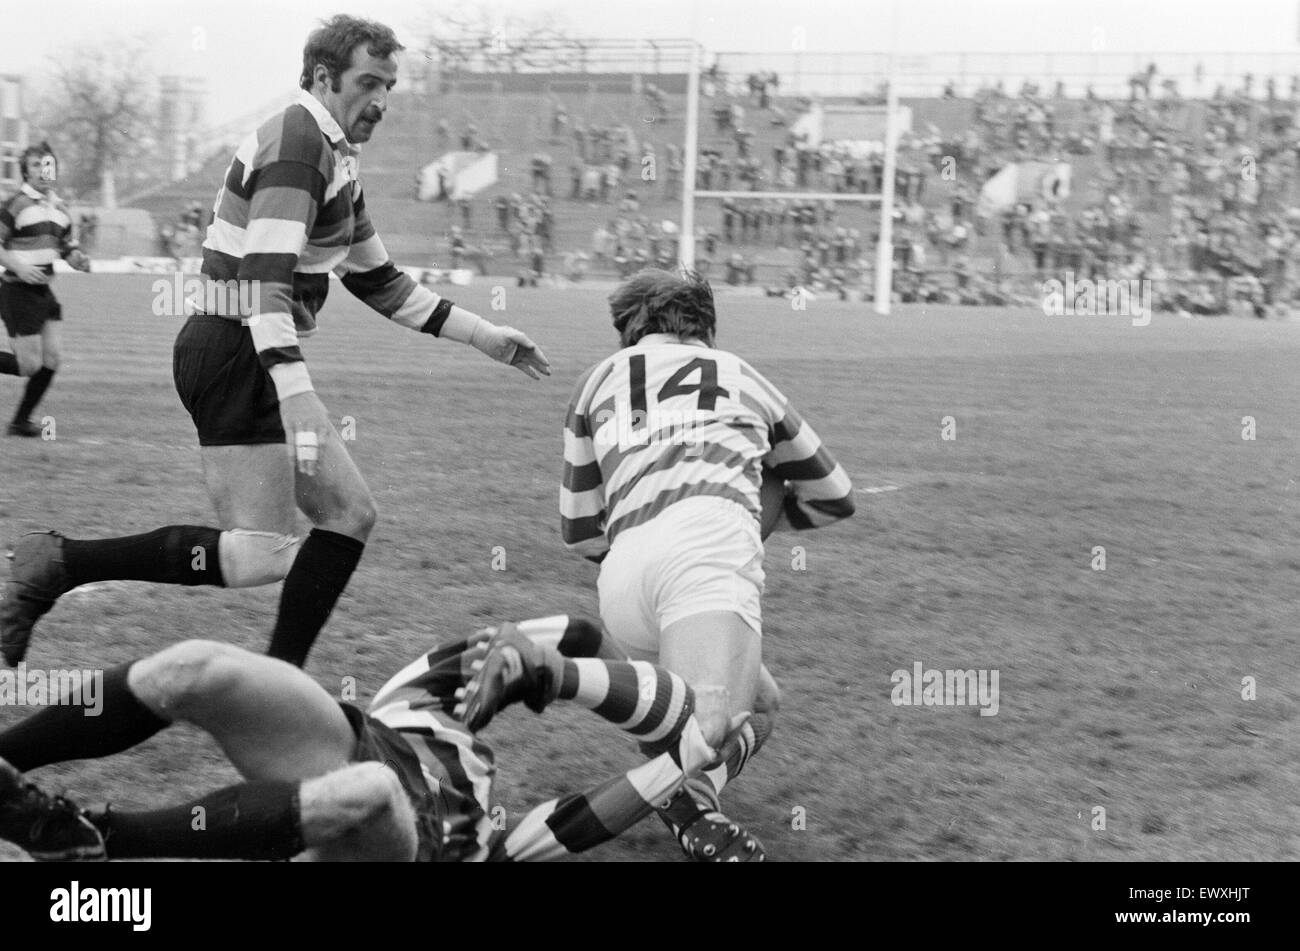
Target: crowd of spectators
x,y
1202,196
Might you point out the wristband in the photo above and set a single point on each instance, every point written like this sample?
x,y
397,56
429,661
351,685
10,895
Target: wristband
x,y
438,318
290,379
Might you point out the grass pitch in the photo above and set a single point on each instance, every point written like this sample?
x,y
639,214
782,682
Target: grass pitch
x,y
1120,689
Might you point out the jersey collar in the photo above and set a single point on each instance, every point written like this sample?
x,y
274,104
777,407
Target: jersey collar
x,y
36,195
659,340
326,122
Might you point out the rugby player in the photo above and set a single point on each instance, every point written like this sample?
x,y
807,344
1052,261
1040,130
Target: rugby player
x,y
665,444
325,781
35,229
291,211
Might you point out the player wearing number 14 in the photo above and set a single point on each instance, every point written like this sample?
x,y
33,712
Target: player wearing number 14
x,y
666,443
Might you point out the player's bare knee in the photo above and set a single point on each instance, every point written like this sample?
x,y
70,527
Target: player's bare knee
x,y
348,513
357,518
364,513
27,365
176,680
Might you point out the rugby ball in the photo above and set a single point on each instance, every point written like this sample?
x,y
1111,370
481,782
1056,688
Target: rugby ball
x,y
772,499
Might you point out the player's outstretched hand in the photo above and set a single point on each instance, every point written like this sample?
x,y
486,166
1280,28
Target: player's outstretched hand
x,y
78,260
510,346
525,354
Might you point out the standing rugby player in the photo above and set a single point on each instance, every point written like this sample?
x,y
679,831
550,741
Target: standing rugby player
x,y
35,229
290,212
665,443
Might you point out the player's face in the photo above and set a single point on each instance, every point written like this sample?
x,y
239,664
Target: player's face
x,y
362,99
41,172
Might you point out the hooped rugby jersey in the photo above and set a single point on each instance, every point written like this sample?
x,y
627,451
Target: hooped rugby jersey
x,y
290,211
666,420
37,229
418,702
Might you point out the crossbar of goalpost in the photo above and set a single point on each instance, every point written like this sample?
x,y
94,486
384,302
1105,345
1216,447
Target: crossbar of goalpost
x,y
794,196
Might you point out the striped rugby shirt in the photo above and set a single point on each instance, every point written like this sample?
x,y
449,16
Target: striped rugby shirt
x,y
418,702
289,212
665,420
37,229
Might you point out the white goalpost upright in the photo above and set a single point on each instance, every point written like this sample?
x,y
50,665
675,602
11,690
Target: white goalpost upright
x,y
884,257
885,249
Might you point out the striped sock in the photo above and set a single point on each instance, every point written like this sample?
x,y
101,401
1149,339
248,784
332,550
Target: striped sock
x,y
649,702
571,636
736,754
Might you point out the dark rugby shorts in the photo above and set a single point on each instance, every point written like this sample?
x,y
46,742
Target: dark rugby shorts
x,y
377,742
25,308
218,377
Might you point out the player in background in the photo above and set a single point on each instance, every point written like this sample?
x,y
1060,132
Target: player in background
x,y
325,781
665,443
291,210
35,230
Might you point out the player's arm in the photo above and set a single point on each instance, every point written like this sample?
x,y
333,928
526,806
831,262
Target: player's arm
x,y
582,493
818,490
70,248
371,276
282,209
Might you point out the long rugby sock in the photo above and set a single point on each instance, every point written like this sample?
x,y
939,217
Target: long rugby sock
x,y
176,554
647,701
572,637
319,574
581,821
36,387
450,664
9,364
256,820
70,730
701,794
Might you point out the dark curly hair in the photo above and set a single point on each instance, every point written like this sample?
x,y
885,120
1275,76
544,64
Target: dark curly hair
x,y
34,151
657,301
331,45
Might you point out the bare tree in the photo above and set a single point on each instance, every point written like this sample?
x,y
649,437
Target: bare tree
x,y
482,38
99,113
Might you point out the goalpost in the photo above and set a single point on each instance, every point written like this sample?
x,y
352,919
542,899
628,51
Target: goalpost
x,y
884,251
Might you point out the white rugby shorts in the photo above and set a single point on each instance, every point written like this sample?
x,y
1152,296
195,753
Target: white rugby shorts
x,y
700,554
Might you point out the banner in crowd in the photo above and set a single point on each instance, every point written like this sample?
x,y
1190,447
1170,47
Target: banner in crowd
x,y
1029,182
457,175
848,123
